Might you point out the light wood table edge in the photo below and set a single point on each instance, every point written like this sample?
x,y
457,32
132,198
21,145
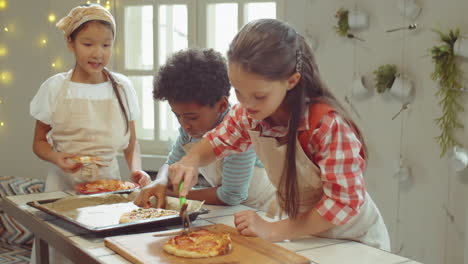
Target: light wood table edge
x,y
47,234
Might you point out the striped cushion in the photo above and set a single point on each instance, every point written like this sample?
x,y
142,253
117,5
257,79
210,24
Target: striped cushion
x,y
11,232
14,254
16,185
14,233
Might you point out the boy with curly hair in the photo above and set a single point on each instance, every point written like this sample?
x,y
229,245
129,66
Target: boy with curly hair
x,y
196,85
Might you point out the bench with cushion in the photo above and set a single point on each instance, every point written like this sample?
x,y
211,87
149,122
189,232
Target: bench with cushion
x,y
15,240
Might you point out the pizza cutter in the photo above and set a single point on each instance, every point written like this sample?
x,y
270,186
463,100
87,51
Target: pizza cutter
x,y
182,199
183,210
185,218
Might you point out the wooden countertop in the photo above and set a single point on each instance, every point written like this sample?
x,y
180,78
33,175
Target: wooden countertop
x,y
87,247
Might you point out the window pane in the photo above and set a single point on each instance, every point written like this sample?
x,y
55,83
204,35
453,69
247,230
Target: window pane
x,y
173,36
221,26
144,89
138,37
168,124
173,26
255,11
260,10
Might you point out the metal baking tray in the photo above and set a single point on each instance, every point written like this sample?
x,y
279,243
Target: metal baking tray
x,y
107,226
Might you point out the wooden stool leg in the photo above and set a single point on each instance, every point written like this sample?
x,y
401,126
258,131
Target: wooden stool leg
x,y
42,251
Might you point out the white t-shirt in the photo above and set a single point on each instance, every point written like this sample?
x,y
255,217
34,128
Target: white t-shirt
x,y
44,102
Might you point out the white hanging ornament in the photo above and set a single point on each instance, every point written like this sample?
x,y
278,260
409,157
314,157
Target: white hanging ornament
x,y
403,173
360,87
459,158
409,8
401,88
357,19
460,47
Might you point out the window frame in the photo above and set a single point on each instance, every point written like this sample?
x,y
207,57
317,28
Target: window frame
x,y
196,37
202,7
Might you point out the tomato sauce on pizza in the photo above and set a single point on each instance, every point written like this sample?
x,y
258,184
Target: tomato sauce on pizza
x,y
199,244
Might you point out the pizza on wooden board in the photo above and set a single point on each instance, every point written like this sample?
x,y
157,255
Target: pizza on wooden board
x,y
199,244
104,185
145,213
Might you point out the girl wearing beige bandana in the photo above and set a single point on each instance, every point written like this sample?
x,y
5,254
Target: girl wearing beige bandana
x,y
87,111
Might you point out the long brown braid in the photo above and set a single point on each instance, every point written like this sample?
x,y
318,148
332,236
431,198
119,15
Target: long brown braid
x,y
115,87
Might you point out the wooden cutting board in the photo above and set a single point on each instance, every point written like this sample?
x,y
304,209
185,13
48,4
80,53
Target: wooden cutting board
x,y
144,248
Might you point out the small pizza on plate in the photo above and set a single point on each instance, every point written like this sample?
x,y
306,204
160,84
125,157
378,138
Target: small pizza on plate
x,y
104,185
86,159
145,213
199,244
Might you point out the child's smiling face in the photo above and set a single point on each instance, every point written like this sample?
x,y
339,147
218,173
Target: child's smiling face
x,y
198,119
92,48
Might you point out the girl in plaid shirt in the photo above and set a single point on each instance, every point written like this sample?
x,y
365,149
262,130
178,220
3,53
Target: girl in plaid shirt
x,y
313,152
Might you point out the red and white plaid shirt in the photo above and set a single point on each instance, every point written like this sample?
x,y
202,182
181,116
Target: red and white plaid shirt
x,y
332,146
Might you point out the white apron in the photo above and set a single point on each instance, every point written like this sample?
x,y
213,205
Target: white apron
x,y
261,191
366,227
86,127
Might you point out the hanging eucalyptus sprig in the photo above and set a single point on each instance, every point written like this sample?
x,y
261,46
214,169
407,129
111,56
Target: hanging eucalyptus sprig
x,y
448,75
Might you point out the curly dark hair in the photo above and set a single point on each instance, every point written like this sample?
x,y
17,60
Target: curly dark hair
x,y
193,75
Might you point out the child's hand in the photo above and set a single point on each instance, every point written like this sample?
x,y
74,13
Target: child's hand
x,y
248,223
63,161
183,171
140,177
158,191
170,192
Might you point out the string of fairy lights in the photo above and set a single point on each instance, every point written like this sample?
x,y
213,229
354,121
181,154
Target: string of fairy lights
x,y
6,77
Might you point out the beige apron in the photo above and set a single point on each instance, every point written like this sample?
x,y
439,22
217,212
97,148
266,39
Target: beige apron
x,y
261,191
366,227
87,127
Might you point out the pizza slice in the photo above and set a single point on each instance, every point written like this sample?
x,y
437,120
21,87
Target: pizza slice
x,y
86,159
104,185
145,213
199,244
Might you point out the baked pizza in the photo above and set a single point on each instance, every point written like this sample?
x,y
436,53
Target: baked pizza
x,y
199,244
86,159
104,185
145,213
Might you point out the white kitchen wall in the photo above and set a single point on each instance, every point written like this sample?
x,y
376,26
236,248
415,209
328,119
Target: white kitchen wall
x,y
426,215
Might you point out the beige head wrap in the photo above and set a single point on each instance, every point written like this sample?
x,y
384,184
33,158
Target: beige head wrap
x,y
82,14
